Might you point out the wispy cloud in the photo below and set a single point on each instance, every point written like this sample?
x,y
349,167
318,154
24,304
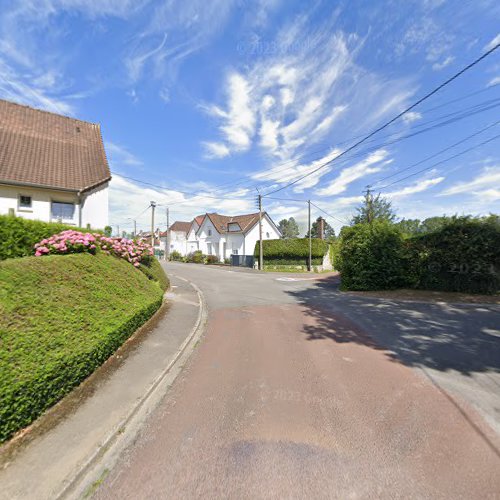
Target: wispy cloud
x,y
412,116
373,163
479,186
216,150
493,43
418,187
120,156
438,66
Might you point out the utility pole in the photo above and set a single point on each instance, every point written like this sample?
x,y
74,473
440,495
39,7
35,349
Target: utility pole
x,y
261,249
167,250
118,229
153,206
310,235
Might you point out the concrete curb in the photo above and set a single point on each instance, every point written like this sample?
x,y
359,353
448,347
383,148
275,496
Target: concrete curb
x,y
92,473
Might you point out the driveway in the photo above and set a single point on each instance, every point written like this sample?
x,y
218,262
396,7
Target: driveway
x,y
298,390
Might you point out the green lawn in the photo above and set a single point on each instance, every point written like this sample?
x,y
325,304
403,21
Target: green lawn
x,y
60,318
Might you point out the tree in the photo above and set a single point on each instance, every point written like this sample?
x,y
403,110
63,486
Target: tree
x,y
329,231
374,208
410,227
289,228
108,230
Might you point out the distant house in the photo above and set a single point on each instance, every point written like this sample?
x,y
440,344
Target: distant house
x,y
178,237
52,167
222,235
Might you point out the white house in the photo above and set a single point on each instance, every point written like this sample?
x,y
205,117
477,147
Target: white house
x,y
222,235
52,167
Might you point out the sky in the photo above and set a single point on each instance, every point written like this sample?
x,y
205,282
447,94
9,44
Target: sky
x,y
203,105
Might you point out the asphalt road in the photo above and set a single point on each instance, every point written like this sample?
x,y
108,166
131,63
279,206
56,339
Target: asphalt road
x,y
297,390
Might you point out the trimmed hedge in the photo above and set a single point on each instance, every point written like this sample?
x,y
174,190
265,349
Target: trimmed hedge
x,y
293,251
462,256
61,317
18,235
153,270
372,257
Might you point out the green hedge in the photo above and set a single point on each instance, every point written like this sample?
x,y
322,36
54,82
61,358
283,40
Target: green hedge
x,y
462,256
293,251
153,270
18,235
62,316
372,257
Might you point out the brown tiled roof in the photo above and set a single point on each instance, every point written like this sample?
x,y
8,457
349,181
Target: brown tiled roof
x,y
199,219
44,149
181,226
245,222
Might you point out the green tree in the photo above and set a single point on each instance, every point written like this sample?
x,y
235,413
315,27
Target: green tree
x,y
410,227
374,208
108,230
289,228
329,231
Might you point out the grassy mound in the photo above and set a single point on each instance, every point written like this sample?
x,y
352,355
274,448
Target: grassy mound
x,y
60,318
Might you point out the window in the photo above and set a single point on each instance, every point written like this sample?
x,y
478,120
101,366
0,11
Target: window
x,y
209,248
63,211
267,235
235,251
24,201
233,226
209,232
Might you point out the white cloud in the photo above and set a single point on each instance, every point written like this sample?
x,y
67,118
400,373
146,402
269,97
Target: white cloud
x,y
494,81
216,150
371,164
412,116
135,63
490,176
119,156
418,187
493,43
437,66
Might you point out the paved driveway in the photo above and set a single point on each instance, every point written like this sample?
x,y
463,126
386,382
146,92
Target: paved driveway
x,y
299,391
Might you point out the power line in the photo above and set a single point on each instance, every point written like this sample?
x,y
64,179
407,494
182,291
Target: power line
x,y
329,215
438,152
442,161
392,120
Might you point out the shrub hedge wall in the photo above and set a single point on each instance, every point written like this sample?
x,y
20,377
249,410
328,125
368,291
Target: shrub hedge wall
x,y
293,251
62,316
461,256
18,235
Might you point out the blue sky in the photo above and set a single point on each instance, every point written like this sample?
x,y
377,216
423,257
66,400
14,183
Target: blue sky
x,y
210,100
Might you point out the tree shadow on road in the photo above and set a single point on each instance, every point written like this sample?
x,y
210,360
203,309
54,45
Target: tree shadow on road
x,y
442,336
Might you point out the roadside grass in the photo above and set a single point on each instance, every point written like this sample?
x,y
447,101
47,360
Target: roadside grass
x,y
62,316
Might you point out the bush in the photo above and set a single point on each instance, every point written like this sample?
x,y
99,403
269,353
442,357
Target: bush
x,y
60,318
175,255
18,236
211,259
197,257
373,257
153,270
461,256
293,251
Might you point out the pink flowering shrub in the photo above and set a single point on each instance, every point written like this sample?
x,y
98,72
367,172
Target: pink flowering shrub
x,y
66,242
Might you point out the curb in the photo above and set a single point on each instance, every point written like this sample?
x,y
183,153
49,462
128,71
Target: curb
x,y
93,471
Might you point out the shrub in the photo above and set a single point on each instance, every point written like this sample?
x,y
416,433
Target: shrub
x,y
71,241
153,270
18,235
197,257
60,318
292,251
373,257
461,256
175,255
211,259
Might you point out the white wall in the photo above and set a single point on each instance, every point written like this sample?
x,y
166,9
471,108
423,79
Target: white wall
x,y
268,233
206,240
178,242
95,208
40,202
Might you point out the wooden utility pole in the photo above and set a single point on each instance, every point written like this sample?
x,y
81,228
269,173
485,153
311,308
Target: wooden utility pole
x,y
153,206
118,229
167,250
135,228
261,249
369,202
310,235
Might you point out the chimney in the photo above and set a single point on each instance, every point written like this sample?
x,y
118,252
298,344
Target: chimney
x,y
321,228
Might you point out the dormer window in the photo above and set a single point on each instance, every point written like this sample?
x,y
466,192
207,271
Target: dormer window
x,y
233,226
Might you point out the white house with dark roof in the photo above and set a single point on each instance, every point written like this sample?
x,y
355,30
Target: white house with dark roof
x,y
52,167
224,235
